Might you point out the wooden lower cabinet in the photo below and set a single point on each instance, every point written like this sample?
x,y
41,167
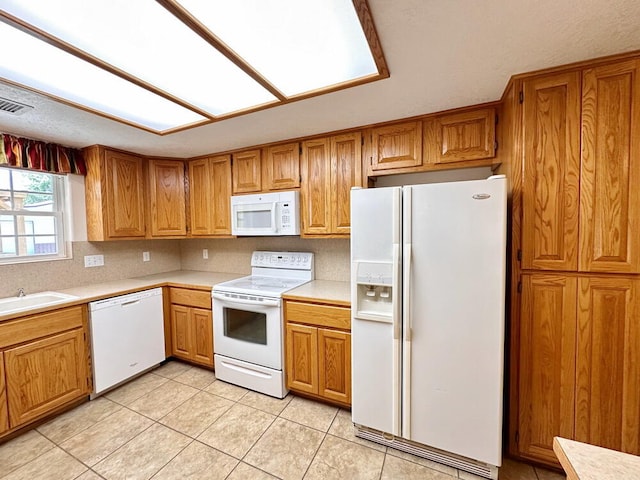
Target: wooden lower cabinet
x,y
4,413
579,372
191,326
318,359
45,374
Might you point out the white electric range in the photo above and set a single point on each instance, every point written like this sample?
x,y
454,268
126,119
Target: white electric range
x,y
248,323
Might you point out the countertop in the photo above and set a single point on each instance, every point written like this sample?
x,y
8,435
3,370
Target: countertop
x,y
98,291
328,291
582,461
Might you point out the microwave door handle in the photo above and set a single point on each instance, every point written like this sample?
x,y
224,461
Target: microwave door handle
x,y
274,225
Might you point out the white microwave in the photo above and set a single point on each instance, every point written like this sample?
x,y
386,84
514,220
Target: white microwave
x,y
276,213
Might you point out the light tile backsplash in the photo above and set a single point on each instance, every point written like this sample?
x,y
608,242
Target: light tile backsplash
x,y
123,259
233,255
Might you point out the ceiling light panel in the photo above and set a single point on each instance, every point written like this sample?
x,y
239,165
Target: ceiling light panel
x,y
145,40
299,46
45,68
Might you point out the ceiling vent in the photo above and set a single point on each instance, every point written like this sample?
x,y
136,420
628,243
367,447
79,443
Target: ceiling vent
x,y
13,107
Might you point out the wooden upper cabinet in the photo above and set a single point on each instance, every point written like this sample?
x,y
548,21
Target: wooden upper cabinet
x,y
209,193
114,194
459,137
396,146
281,167
610,176
316,187
608,363
247,171
547,363
167,211
4,415
346,172
551,144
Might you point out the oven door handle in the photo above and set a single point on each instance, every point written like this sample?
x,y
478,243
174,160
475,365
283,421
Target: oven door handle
x,y
264,303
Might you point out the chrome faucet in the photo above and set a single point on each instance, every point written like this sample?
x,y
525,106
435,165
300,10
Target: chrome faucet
x,y
21,293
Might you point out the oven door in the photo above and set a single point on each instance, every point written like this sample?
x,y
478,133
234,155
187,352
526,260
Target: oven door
x,y
248,330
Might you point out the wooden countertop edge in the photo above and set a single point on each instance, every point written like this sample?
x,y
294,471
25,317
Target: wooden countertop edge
x,y
564,460
320,301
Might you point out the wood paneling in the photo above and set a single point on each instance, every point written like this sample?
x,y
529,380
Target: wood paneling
x,y
608,363
4,413
167,210
281,167
396,146
316,187
125,195
551,170
460,137
547,363
45,374
202,336
32,327
181,334
346,171
246,169
302,358
318,315
610,176
334,350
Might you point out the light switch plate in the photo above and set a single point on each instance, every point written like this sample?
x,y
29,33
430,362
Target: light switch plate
x,y
93,261
145,256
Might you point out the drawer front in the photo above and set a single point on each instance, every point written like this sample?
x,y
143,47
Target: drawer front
x,y
191,298
32,327
320,315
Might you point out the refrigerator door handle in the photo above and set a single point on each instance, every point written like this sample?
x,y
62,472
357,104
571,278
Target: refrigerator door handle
x,y
406,315
397,312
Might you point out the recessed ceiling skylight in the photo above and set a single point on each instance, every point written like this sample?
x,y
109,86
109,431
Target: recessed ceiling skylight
x,y
171,64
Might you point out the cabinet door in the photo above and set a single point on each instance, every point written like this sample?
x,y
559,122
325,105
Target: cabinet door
x,y
203,336
316,187
246,172
551,168
125,195
396,146
334,367
181,332
547,363
461,136
281,167
4,415
45,374
346,168
200,197
302,358
608,370
221,199
167,198
610,176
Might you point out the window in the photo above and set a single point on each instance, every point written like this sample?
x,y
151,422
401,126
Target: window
x,y
30,215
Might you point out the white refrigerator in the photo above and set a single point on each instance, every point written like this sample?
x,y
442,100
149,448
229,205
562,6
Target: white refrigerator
x,y
428,304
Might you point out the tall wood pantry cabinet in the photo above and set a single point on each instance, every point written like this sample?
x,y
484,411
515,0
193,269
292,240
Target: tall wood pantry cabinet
x,y
574,152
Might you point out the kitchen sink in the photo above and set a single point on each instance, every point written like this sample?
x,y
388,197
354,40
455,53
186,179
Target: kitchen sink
x,y
34,300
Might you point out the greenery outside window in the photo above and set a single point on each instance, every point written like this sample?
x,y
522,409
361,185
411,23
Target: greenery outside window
x,y
31,216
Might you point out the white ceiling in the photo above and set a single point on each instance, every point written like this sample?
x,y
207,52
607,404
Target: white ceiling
x,y
441,54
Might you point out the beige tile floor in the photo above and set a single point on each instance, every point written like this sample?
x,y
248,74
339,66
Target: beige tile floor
x,y
179,422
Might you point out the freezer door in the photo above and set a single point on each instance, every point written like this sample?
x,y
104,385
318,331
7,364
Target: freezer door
x,y
454,329
375,339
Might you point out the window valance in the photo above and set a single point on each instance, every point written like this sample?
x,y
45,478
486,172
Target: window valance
x,y
41,156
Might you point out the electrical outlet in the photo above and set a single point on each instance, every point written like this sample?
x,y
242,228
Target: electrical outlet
x,y
93,261
205,253
145,256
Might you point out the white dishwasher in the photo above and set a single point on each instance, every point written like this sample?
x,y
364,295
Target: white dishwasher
x,y
127,337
